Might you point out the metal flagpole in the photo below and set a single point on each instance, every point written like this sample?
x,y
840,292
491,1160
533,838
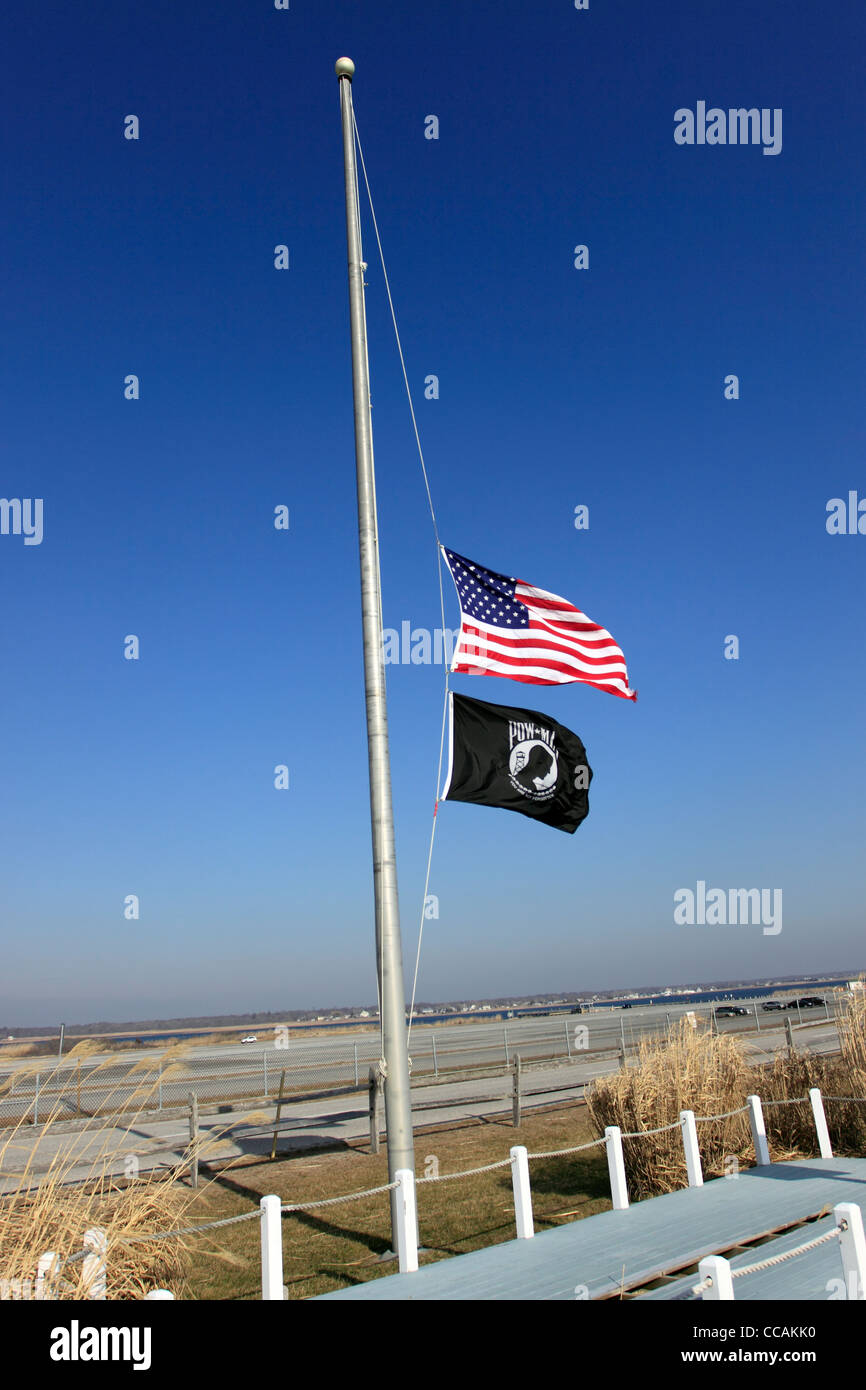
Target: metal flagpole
x,y
392,1003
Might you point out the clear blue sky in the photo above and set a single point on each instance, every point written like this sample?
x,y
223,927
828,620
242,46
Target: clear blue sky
x,y
558,387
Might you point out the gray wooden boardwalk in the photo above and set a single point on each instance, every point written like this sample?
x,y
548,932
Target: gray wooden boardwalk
x,y
808,1276
600,1255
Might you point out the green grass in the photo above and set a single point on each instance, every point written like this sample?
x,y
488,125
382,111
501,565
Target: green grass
x,y
339,1246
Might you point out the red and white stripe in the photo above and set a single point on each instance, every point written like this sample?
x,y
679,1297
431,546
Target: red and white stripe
x,y
560,645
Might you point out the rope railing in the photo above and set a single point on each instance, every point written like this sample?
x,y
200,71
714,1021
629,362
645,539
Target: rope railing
x,y
255,1215
289,1207
696,1290
332,1201
725,1115
272,1210
467,1172
193,1230
645,1133
575,1149
55,1278
375,1191
787,1254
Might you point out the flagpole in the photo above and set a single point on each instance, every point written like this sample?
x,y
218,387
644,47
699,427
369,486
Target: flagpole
x,y
392,1003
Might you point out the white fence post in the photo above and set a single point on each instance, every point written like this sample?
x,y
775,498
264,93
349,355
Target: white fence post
x,y
616,1168
821,1129
265,1070
36,1100
93,1271
690,1144
522,1192
45,1271
407,1221
852,1248
715,1267
272,1248
759,1133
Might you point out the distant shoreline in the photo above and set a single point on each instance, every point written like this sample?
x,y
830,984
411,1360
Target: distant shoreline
x,y
463,1011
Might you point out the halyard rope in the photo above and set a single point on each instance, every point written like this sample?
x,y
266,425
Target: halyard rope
x,y
439,568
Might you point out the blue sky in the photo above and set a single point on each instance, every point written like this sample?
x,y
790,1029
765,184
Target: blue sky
x,y
558,387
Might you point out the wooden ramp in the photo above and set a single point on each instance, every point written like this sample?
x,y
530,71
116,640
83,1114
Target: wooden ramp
x,y
616,1250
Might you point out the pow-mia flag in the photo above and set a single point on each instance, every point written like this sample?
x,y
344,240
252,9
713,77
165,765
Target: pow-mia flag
x,y
517,759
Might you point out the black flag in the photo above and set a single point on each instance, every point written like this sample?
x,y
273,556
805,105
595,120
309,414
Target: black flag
x,y
518,759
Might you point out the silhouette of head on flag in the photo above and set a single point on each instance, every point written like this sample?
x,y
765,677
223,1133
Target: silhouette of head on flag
x,y
535,768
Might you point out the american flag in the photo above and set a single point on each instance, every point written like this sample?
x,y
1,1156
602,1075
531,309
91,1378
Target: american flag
x,y
509,628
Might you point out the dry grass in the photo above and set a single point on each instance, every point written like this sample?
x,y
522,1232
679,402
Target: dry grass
x,y
852,1032
695,1070
55,1217
791,1126
46,1210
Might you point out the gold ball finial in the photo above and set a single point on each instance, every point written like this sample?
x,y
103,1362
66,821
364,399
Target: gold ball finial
x,y
344,67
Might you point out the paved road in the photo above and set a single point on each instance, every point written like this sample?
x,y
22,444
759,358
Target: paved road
x,y
472,1034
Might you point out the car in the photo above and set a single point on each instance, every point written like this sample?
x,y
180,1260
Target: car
x,y
729,1011
810,1002
772,1005
250,1037
577,1009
